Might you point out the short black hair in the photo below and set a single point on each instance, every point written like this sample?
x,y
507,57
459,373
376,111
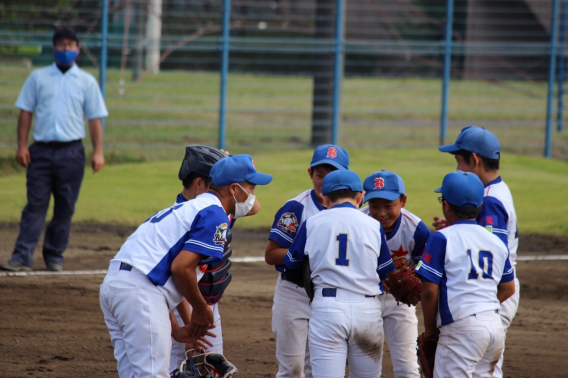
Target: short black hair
x,y
488,164
466,212
192,177
342,193
64,32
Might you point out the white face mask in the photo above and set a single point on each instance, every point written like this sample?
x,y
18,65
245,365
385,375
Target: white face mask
x,y
242,209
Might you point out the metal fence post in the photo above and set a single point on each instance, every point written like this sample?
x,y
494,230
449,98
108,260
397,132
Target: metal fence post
x,y
447,68
224,71
551,74
561,63
104,48
337,72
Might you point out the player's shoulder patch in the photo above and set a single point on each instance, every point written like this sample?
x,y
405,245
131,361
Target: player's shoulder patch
x,y
288,223
220,236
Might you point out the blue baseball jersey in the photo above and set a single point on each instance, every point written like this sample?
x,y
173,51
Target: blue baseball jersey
x,y
291,216
467,263
347,250
409,236
499,217
181,199
199,226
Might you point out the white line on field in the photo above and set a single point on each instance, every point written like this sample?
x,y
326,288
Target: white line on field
x,y
236,259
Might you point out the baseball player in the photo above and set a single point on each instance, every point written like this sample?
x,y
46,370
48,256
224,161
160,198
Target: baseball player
x,y
194,174
466,274
158,266
406,236
346,250
291,309
477,150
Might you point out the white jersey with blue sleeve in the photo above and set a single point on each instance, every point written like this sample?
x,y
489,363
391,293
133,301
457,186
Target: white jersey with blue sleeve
x,y
290,217
467,263
499,217
198,226
409,236
346,248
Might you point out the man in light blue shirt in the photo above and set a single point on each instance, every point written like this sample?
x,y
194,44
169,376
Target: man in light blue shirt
x,y
61,95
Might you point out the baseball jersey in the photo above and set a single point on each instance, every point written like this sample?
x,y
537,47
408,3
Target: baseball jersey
x,y
198,226
499,217
346,248
467,263
409,236
290,217
61,102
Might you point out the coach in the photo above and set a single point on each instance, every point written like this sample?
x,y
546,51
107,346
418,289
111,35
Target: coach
x,y
61,95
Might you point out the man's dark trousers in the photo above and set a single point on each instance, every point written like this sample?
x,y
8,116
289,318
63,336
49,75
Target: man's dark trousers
x,y
56,168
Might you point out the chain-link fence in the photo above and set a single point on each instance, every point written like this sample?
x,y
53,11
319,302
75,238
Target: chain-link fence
x,y
294,79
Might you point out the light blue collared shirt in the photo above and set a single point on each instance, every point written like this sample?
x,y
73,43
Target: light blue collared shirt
x,y
61,103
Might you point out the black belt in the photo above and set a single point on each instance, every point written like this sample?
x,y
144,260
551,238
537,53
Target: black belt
x,y
125,266
59,144
328,292
283,275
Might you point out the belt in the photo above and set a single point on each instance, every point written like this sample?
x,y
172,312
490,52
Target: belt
x,y
59,144
328,292
125,266
283,275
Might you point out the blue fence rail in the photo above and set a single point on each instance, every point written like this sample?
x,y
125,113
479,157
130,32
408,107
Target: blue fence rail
x,y
245,75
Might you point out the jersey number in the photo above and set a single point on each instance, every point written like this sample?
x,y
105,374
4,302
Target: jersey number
x,y
485,264
163,213
342,256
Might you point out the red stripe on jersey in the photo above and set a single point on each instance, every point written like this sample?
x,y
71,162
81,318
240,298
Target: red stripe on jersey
x,y
406,216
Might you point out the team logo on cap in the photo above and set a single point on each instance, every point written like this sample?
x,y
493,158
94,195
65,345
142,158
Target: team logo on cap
x,y
331,152
220,236
288,223
379,183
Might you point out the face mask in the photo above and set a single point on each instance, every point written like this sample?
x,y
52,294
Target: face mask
x,y
65,58
242,209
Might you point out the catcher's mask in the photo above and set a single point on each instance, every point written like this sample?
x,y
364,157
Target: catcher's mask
x,y
199,363
199,159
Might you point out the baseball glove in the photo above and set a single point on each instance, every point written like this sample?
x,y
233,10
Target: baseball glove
x,y
403,283
427,354
201,364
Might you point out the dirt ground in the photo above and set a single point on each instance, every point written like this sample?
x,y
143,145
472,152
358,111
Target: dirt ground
x,y
52,326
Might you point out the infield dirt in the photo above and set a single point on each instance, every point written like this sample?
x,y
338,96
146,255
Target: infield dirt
x,y
52,326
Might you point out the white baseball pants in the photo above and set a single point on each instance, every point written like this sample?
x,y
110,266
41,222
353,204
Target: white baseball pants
x,y
401,331
178,349
137,317
345,327
507,311
470,347
290,315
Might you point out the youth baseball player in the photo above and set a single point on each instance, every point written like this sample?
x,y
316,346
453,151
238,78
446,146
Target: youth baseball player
x,y
291,309
406,236
194,174
477,150
158,266
348,258
466,274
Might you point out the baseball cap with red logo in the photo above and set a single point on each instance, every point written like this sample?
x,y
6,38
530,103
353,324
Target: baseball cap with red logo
x,y
332,155
384,184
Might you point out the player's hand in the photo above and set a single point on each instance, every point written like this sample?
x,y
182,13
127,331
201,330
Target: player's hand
x,y
182,335
386,285
23,156
225,152
439,223
201,321
97,162
431,333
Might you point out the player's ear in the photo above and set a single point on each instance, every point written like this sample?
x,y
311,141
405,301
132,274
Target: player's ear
x,y
326,201
359,198
476,159
403,201
310,172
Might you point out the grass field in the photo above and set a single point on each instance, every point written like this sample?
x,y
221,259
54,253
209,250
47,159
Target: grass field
x,y
126,194
266,112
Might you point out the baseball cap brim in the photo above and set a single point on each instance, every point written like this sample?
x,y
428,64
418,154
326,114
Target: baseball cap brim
x,y
387,195
449,148
260,179
327,161
438,190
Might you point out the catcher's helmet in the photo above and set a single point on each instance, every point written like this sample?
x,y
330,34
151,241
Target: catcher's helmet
x,y
199,159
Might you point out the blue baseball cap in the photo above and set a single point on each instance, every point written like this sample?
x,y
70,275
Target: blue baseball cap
x,y
332,155
341,179
383,184
462,189
478,140
235,169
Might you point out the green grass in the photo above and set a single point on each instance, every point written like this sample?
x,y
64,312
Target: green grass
x,y
126,194
154,117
